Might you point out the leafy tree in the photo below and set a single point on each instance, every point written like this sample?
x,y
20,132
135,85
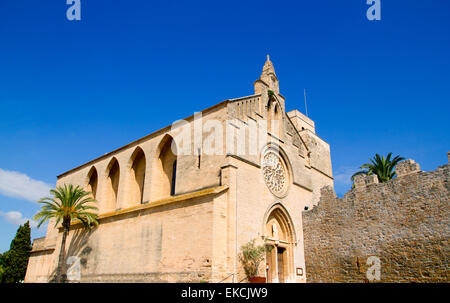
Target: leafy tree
x,y
1,268
68,203
384,168
14,262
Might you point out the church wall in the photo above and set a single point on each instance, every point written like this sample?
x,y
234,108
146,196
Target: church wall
x,y
40,266
221,265
301,169
189,176
163,244
254,200
301,121
320,152
319,180
290,141
194,176
319,169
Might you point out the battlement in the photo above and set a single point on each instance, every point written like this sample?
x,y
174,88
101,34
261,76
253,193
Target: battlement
x,y
364,180
404,168
402,222
407,167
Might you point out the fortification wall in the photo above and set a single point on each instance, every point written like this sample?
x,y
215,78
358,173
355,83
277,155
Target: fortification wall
x,y
405,223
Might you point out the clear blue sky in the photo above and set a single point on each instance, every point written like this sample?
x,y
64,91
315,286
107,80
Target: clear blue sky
x,y
72,91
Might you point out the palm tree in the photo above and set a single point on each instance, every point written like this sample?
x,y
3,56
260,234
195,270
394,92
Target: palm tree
x,y
68,203
383,168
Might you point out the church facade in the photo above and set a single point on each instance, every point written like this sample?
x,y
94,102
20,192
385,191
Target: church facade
x,y
178,204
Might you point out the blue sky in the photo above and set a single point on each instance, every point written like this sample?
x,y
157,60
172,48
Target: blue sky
x,y
71,91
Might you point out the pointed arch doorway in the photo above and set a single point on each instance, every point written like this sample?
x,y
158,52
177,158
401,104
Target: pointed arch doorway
x,y
279,237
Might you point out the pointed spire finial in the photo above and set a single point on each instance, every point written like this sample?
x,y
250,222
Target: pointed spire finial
x,y
268,66
268,79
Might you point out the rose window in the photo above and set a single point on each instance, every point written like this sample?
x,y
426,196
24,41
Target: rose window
x,y
275,174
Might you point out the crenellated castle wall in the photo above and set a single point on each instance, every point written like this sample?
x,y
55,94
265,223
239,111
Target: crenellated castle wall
x,y
405,223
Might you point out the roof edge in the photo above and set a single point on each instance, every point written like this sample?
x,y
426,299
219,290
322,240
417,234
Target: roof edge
x,y
155,133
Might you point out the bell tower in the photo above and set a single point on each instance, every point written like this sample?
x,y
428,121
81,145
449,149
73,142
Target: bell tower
x,y
268,81
269,77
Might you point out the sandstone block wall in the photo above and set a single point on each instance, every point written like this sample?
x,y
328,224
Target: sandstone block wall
x,y
404,222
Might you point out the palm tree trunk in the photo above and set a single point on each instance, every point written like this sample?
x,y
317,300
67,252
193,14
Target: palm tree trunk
x,y
59,269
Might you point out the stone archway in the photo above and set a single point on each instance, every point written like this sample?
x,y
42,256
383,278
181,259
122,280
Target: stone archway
x,y
279,237
164,169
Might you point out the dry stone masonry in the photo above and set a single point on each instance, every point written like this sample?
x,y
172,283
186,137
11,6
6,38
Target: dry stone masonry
x,y
404,222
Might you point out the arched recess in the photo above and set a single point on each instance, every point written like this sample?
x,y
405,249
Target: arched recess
x,y
137,167
279,236
274,117
164,172
92,182
277,117
112,185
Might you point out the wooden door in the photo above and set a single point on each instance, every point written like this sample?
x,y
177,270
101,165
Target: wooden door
x,y
280,261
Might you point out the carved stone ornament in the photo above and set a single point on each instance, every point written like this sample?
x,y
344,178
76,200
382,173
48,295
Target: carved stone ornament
x,y
275,173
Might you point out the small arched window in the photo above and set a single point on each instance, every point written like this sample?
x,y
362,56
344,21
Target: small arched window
x,y
174,178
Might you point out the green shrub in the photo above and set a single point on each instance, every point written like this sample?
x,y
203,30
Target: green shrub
x,y
251,256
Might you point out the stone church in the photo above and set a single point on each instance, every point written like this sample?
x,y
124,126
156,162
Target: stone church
x,y
171,210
